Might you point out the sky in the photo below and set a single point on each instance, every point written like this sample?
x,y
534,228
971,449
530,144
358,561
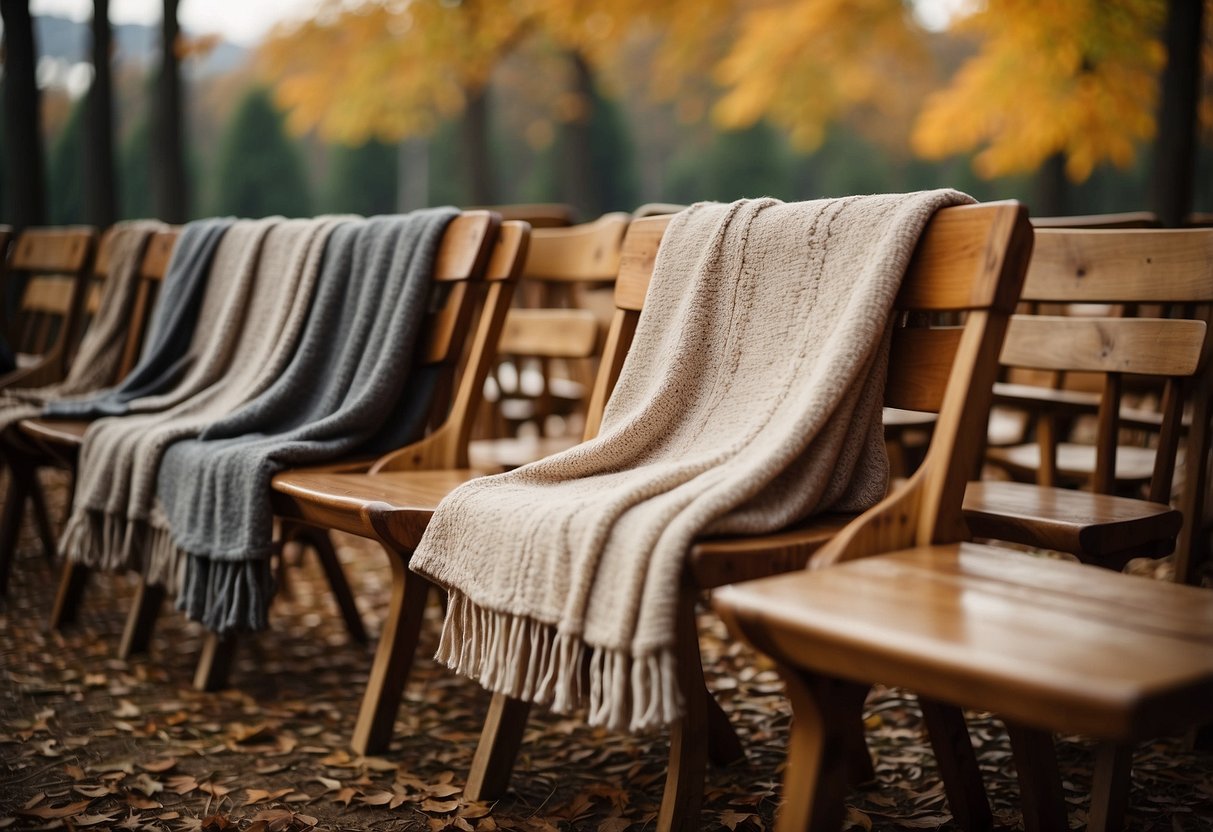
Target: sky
x,y
242,21
246,21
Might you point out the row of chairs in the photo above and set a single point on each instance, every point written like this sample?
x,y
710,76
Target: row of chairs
x,y
971,261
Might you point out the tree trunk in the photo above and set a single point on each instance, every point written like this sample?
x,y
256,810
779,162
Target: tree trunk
x,y
100,202
476,148
169,183
25,191
1175,150
576,162
1052,188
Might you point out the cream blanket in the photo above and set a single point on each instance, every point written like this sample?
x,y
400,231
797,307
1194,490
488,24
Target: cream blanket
x,y
256,301
751,398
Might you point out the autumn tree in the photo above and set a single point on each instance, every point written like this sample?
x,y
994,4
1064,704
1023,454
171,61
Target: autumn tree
x,y
1053,87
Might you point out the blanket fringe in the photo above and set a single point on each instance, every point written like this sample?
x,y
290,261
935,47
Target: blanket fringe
x,y
532,661
226,596
97,539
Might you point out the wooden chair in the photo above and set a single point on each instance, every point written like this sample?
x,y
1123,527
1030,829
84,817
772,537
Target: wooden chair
x,y
550,330
31,451
1128,219
1049,646
1173,268
535,214
54,265
477,247
969,259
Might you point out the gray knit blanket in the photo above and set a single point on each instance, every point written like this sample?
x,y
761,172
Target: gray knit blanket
x,y
252,315
351,386
170,330
99,355
751,398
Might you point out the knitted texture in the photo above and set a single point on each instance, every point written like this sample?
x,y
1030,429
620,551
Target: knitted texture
x,y
252,315
170,331
751,398
100,352
350,387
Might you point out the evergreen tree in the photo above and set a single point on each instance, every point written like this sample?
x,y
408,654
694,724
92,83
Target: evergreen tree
x,y
739,163
259,171
362,180
135,191
67,170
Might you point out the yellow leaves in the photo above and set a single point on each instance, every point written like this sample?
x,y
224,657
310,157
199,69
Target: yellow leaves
x,y
1078,78
803,63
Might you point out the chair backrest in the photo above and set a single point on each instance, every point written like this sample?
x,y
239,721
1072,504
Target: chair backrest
x,y
478,248
1129,219
970,259
1172,268
54,263
152,269
536,214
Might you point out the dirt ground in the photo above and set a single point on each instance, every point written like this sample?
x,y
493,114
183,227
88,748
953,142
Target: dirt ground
x,y
91,741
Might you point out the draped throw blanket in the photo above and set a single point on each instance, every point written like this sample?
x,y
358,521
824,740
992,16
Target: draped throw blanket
x,y
351,387
751,397
170,330
258,298
99,355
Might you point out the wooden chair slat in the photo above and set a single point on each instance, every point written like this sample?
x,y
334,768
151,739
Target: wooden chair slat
x,y
1106,345
1132,266
920,363
52,250
559,333
586,252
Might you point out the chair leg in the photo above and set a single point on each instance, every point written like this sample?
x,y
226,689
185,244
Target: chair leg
x,y
724,746
73,577
683,797
42,520
1110,789
1044,808
215,663
141,619
10,520
340,587
497,750
824,712
957,765
393,658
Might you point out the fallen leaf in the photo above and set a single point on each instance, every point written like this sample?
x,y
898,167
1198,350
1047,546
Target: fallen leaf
x,y
49,812
440,806
127,710
261,795
615,824
158,766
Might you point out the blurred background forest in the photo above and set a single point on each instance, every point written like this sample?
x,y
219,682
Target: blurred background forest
x,y
373,107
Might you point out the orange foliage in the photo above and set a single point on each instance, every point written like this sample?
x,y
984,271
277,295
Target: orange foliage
x,y
804,63
1078,77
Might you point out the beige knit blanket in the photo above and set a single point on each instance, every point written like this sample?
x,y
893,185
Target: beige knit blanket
x,y
751,397
100,352
256,301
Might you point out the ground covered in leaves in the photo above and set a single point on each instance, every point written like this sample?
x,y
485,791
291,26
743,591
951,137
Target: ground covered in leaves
x,y
90,741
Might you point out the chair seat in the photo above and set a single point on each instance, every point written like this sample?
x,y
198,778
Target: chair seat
x,y
62,434
1096,527
1050,644
393,503
1075,462
718,561
490,454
